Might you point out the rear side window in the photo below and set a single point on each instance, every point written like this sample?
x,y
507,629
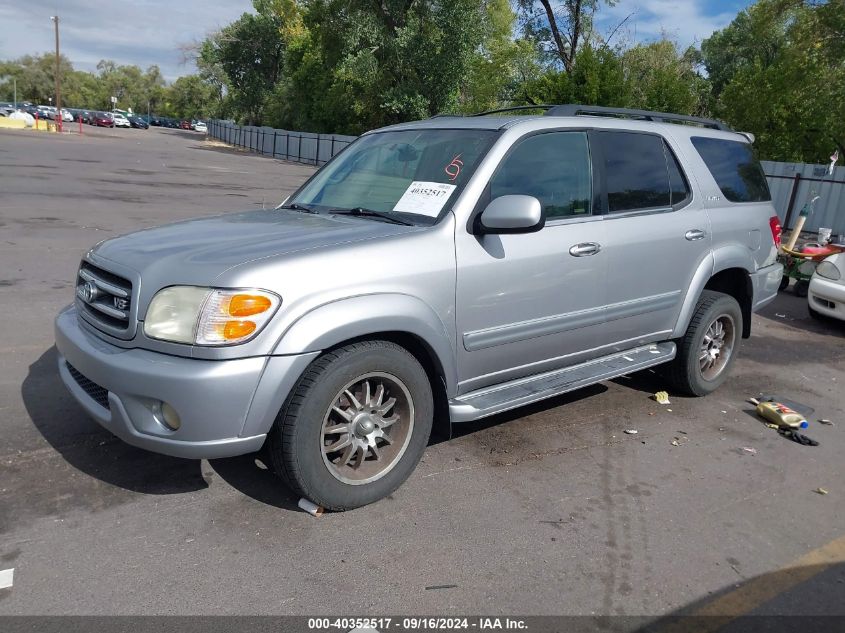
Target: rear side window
x,y
636,172
734,168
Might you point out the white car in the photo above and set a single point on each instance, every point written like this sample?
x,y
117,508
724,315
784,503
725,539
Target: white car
x,y
201,127
66,115
120,120
826,296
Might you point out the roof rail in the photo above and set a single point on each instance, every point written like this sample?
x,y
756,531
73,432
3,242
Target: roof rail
x,y
515,109
573,109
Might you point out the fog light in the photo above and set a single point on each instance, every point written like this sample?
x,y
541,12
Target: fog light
x,y
170,417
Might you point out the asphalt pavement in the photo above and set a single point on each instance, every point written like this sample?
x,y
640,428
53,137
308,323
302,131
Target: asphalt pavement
x,y
548,510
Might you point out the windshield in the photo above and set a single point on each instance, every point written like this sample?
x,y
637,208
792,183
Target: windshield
x,y
412,174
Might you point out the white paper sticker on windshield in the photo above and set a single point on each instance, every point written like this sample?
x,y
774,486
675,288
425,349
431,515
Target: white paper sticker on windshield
x,y
424,198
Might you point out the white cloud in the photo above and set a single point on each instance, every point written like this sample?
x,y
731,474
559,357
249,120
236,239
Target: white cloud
x,y
687,22
141,32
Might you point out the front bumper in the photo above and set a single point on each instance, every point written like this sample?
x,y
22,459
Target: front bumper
x,y
765,283
226,407
827,297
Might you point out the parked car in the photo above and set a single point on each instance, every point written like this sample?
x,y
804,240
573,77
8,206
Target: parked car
x,y
120,120
452,265
138,122
102,119
185,125
201,127
826,295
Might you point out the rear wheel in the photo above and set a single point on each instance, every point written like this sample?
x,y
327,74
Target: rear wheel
x,y
784,282
707,351
802,287
355,426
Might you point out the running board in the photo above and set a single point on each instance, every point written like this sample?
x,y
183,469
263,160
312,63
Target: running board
x,y
492,400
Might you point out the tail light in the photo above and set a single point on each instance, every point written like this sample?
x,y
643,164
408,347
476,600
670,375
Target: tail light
x,y
777,229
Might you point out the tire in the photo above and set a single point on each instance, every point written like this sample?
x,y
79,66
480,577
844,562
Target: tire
x,y
689,373
784,282
319,414
802,287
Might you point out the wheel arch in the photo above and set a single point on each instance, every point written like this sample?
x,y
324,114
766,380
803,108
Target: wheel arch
x,y
724,271
402,319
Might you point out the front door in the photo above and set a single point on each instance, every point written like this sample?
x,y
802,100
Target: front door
x,y
528,303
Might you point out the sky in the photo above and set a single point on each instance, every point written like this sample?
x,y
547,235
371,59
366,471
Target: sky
x,y
146,32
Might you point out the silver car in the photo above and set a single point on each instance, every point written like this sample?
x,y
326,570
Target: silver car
x,y
436,271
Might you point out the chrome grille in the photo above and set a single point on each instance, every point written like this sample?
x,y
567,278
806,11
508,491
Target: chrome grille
x,y
104,299
97,393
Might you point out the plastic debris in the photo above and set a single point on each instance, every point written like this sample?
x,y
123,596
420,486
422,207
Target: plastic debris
x,y
780,316
753,401
680,441
310,507
796,437
821,491
260,464
631,431
750,450
6,578
772,426
826,421
662,397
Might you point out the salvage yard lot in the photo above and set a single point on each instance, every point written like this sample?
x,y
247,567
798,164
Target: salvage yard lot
x,y
551,509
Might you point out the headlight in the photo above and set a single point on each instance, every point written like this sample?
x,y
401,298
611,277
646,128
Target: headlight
x,y
208,316
828,270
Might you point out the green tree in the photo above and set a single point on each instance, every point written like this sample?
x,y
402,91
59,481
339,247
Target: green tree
x,y
189,97
364,64
35,77
787,90
501,65
249,52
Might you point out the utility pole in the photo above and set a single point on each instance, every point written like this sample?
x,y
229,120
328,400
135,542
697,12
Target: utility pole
x,y
59,119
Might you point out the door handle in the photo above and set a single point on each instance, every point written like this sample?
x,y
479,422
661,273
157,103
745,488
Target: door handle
x,y
695,234
585,249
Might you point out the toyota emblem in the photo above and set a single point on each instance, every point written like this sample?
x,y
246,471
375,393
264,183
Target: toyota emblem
x,y
88,291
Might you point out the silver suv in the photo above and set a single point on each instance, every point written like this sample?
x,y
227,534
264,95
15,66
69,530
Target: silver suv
x,y
445,269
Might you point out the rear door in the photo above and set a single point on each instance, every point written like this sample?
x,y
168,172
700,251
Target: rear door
x,y
657,233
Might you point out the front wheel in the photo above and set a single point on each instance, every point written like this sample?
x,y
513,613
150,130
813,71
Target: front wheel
x,y
708,349
355,426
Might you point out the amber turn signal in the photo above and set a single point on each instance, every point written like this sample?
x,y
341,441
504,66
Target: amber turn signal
x,y
238,329
242,305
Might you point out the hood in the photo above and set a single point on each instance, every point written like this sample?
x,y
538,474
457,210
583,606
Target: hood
x,y
197,251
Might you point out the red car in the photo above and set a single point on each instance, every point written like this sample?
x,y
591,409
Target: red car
x,y
101,119
185,125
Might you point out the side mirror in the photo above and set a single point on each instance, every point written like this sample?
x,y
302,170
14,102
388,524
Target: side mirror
x,y
512,214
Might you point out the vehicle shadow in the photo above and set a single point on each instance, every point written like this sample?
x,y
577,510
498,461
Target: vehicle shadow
x,y
245,475
467,428
91,449
791,599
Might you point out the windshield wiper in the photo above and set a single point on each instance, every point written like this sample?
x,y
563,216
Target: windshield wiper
x,y
297,207
361,212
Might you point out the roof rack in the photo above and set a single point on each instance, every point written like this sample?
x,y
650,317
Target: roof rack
x,y
647,115
516,109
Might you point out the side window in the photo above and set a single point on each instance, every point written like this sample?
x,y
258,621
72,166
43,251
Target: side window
x,y
554,168
635,169
734,169
678,185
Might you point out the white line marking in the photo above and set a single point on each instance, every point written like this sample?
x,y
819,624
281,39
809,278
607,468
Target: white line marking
x,y
6,577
